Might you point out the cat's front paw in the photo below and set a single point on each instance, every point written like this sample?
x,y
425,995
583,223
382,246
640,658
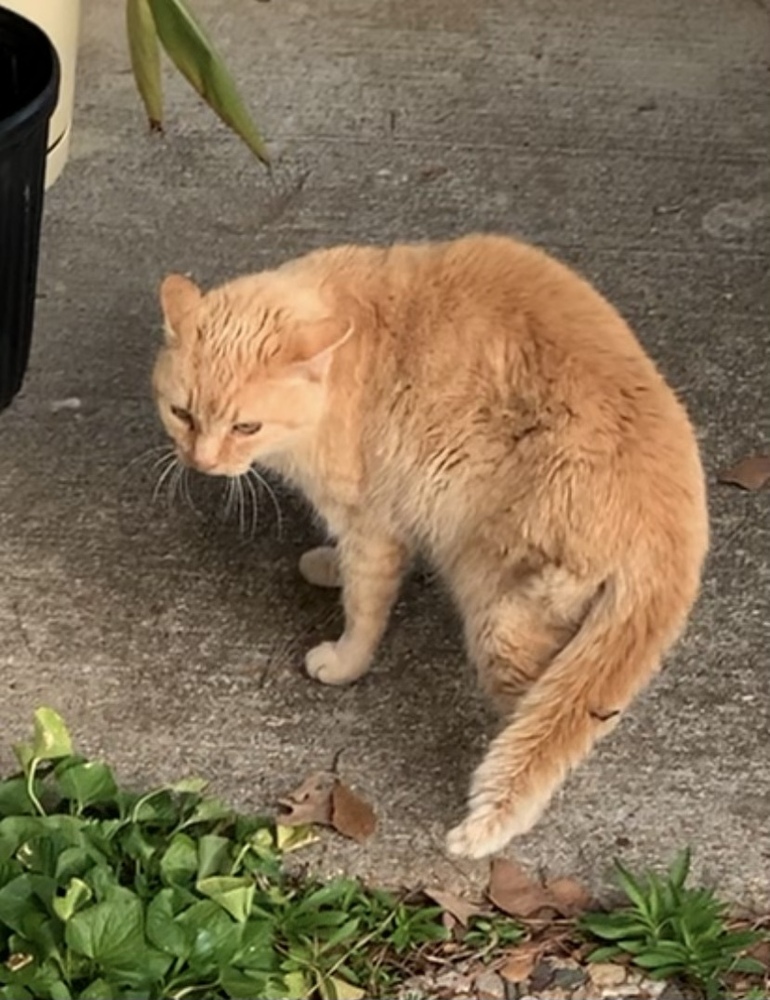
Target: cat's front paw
x,y
321,567
332,663
490,826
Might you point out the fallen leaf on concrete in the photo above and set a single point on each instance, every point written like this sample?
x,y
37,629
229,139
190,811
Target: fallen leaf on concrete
x,y
311,802
461,909
570,896
750,473
520,963
514,892
351,815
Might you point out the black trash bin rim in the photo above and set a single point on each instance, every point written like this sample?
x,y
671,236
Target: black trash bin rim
x,y
14,124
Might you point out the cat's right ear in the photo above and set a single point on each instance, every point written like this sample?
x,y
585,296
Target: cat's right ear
x,y
179,298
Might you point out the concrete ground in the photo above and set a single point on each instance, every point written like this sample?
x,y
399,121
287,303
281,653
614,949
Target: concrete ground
x,y
632,140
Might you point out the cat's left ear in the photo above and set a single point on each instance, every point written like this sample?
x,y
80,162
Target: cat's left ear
x,y
322,340
179,298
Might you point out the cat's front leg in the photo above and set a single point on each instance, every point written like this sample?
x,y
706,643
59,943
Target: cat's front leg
x,y
371,566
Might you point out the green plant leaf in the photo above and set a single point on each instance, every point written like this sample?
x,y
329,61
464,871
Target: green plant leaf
x,y
213,855
750,965
88,783
207,811
605,954
680,868
632,888
111,932
654,959
99,989
14,799
77,893
235,895
51,737
144,50
215,936
163,931
179,863
613,926
186,43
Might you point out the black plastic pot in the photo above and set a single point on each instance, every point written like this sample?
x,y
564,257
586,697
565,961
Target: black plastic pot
x,y
29,86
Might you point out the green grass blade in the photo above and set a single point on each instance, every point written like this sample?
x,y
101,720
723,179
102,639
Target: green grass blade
x,y
194,56
144,49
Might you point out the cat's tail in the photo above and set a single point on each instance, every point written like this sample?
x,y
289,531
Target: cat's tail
x,y
577,700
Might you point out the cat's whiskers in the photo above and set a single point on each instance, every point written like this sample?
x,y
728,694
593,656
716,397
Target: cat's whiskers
x,y
260,480
254,505
145,456
172,463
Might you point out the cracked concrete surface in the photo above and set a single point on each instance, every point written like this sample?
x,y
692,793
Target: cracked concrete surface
x,y
632,140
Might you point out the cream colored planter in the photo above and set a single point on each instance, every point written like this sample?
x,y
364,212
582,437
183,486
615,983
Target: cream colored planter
x,y
60,20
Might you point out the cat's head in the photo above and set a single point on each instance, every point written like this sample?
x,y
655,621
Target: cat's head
x,y
243,370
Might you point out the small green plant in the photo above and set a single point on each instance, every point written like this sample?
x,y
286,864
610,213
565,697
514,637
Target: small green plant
x,y
672,930
109,894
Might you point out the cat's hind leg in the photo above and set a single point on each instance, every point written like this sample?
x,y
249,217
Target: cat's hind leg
x,y
577,698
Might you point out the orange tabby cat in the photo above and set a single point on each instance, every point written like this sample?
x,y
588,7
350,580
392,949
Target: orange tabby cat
x,y
480,403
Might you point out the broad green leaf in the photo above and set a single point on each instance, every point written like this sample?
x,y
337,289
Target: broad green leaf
x,y
24,754
207,811
215,935
235,895
111,932
144,50
162,929
14,800
257,950
241,984
60,991
88,783
51,739
99,989
186,43
213,855
179,864
77,893
25,903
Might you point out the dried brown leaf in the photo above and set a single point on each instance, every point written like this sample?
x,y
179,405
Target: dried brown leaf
x,y
751,473
520,963
569,897
351,815
311,802
461,909
514,892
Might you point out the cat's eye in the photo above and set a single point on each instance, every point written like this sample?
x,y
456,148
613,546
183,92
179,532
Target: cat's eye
x,y
182,414
247,428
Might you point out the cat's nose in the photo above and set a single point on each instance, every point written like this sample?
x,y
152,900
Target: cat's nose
x,y
204,463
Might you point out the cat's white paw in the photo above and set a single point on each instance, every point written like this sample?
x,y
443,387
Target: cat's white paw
x,y
329,664
479,835
488,828
321,567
